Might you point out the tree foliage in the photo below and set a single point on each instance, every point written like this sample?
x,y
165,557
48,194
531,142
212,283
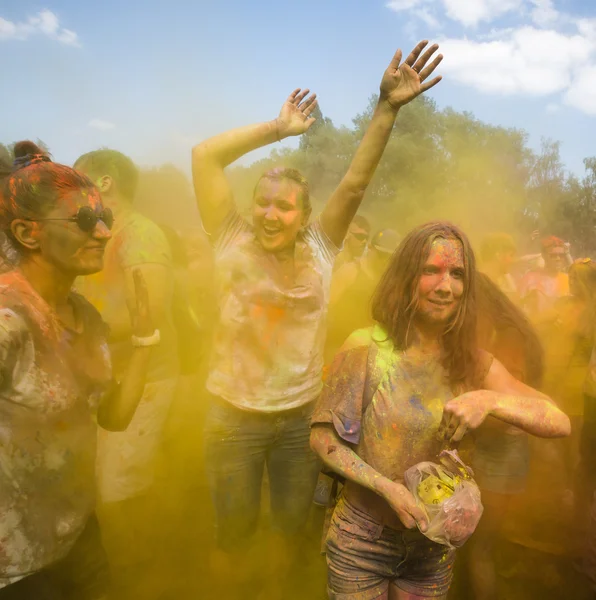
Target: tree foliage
x,y
438,164
443,164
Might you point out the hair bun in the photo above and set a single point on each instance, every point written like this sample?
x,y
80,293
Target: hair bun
x,y
25,148
27,153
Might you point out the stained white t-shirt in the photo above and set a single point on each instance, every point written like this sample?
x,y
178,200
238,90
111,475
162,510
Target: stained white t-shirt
x,y
51,381
269,339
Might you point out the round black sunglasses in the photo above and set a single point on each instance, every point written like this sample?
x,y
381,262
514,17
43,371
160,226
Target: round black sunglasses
x,y
86,218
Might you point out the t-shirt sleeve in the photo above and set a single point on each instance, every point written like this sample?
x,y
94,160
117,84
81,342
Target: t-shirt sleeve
x,y
317,236
340,403
13,332
231,229
143,242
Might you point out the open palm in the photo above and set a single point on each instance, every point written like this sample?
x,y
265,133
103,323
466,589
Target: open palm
x,y
294,117
403,82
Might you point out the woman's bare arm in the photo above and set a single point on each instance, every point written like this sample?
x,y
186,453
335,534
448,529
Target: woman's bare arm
x,y
211,157
337,455
401,83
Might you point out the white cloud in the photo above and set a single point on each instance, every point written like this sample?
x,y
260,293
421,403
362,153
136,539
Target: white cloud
x,y
586,27
529,61
582,92
100,124
544,13
548,52
428,19
399,5
471,12
467,12
45,22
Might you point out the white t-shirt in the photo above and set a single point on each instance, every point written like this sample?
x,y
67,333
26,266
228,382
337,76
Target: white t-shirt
x,y
51,381
268,344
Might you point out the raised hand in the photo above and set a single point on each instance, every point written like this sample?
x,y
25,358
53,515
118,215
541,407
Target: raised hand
x,y
294,117
403,82
140,316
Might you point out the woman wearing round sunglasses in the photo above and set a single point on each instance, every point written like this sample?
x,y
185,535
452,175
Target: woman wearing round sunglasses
x,y
55,378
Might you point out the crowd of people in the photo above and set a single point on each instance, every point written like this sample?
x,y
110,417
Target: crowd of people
x,y
330,359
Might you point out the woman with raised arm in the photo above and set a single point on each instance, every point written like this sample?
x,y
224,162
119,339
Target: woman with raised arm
x,y
273,291
55,381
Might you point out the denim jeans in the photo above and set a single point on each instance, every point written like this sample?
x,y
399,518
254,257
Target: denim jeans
x,y
363,556
239,444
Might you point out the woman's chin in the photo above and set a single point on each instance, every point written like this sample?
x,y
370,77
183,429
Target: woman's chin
x,y
89,268
272,243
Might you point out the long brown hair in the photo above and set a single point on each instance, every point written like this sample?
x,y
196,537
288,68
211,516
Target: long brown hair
x,y
499,312
395,302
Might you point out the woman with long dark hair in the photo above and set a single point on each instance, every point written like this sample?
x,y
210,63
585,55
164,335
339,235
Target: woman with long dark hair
x,y
501,454
55,380
395,396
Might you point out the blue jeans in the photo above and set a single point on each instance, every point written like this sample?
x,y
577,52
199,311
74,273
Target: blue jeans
x,y
239,444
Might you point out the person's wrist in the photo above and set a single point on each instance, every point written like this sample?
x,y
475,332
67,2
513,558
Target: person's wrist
x,y
281,129
385,104
383,486
491,402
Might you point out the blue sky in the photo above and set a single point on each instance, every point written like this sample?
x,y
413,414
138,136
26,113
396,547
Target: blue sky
x,y
151,78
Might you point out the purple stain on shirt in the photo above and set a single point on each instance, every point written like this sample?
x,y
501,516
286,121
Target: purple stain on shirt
x,y
416,402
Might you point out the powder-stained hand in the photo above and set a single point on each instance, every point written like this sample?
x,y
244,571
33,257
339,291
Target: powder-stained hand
x,y
403,82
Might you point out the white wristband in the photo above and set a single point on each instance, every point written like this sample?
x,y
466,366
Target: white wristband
x,y
152,340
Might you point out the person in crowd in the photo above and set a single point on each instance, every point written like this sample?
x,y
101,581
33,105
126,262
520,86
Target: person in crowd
x,y
582,281
185,308
382,412
7,252
500,455
56,378
273,286
535,518
127,460
540,288
569,343
352,288
498,254
355,242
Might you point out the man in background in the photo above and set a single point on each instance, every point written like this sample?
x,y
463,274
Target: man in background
x,y
127,460
542,287
498,252
355,242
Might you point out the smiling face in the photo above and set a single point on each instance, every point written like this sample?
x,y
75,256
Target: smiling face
x,y
277,213
62,243
441,282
